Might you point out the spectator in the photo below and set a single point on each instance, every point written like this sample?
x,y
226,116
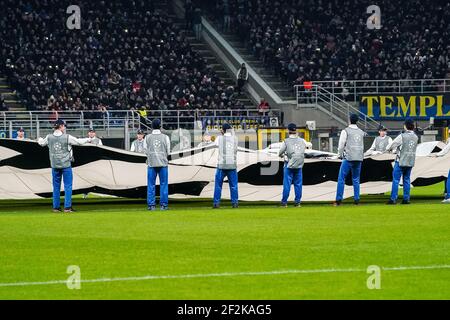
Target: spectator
x,y
197,22
263,106
242,77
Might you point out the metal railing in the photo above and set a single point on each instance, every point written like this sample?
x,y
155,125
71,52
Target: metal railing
x,y
34,122
351,90
333,105
181,118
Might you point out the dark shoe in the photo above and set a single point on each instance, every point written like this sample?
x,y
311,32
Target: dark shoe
x,y
235,205
337,203
356,202
151,208
406,202
391,202
297,205
57,210
216,206
69,210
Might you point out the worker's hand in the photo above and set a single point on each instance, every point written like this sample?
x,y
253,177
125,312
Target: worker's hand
x,y
40,140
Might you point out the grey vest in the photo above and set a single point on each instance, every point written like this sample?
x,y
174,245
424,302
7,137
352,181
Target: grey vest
x,y
139,146
60,156
295,152
407,153
354,147
157,150
228,146
381,143
95,141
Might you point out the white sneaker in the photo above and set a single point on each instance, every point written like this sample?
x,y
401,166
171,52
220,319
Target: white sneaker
x,y
446,201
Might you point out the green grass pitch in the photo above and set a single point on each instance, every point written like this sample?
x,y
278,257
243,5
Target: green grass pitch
x,y
258,251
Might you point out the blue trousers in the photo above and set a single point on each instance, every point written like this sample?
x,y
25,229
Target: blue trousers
x,y
396,176
232,181
65,175
292,176
346,167
447,196
163,174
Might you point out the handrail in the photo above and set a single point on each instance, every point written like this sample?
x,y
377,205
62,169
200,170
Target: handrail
x,y
377,80
339,107
355,88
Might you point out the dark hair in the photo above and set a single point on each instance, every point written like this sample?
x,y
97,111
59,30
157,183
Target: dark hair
x,y
156,124
409,124
226,127
354,118
58,123
292,127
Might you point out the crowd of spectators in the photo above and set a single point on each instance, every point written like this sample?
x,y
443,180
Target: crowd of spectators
x,y
127,55
303,40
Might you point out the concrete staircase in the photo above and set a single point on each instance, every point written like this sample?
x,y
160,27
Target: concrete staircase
x,y
176,12
279,85
10,96
203,50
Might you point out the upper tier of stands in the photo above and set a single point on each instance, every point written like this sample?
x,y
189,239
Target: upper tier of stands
x,y
303,40
128,54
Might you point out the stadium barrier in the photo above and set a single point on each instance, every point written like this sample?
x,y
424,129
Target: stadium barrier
x,y
351,90
125,123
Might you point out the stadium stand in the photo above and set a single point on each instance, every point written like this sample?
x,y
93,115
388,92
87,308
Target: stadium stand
x,y
127,55
304,40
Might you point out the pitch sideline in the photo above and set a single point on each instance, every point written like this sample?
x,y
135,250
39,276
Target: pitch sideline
x,y
225,274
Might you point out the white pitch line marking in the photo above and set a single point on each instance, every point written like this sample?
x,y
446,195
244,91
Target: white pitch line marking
x,y
224,274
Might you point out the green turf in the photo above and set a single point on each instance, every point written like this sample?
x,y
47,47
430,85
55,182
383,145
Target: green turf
x,y
111,238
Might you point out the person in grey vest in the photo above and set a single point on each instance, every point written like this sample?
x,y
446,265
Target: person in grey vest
x,y
60,149
442,153
158,149
380,143
94,139
293,150
406,143
227,166
207,141
351,151
20,134
139,145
